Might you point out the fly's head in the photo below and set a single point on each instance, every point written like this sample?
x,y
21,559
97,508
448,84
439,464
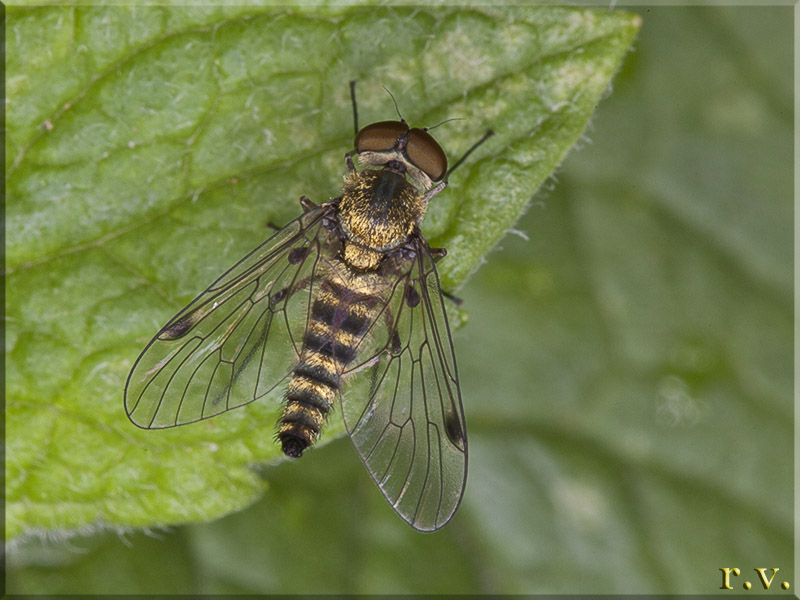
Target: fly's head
x,y
413,152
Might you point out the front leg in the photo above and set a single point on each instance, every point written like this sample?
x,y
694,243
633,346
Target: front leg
x,y
307,205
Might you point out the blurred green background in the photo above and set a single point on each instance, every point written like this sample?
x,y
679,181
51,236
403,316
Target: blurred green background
x,y
627,372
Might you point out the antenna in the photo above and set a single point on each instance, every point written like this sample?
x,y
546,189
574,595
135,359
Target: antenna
x,y
443,122
396,108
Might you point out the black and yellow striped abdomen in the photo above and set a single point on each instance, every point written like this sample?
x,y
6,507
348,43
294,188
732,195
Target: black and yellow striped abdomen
x,y
340,318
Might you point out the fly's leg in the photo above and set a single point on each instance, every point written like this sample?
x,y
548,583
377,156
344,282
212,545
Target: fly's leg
x,y
454,299
438,254
474,146
307,205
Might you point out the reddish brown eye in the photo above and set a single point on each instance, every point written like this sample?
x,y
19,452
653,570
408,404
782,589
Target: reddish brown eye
x,y
426,153
380,137
420,148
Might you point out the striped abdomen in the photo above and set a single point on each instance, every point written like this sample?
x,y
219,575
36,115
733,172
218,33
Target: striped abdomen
x,y
339,320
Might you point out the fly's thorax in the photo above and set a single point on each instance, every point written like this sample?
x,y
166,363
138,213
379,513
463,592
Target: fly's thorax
x,y
378,211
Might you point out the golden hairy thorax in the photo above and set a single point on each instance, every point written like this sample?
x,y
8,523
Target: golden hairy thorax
x,y
378,211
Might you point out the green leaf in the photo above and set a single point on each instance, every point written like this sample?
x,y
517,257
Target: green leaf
x,y
148,149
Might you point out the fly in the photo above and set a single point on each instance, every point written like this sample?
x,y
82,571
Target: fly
x,y
341,307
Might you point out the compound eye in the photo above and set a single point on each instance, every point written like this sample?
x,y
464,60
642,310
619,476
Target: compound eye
x,y
380,137
426,153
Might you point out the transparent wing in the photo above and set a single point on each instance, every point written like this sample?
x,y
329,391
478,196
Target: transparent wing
x,y
402,406
238,340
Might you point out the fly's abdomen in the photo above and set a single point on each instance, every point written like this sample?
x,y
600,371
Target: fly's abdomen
x,y
338,321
